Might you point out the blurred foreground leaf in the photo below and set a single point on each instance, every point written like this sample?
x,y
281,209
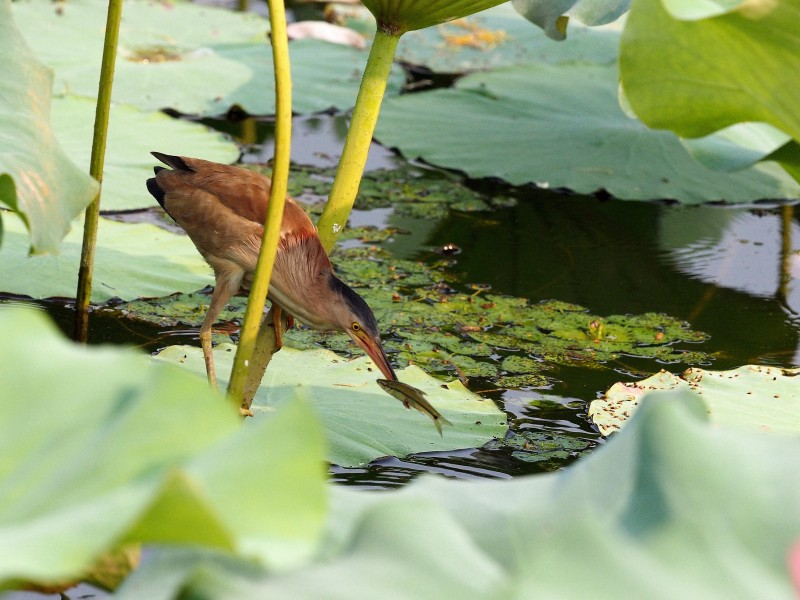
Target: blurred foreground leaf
x,y
101,446
671,507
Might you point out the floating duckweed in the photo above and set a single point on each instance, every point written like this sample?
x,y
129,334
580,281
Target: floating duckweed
x,y
536,446
426,321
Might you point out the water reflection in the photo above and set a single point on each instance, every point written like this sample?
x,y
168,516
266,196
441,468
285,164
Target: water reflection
x,y
755,251
719,268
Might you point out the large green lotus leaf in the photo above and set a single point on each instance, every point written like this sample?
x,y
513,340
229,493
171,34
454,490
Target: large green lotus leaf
x,y
697,76
191,58
37,178
132,261
361,421
671,507
561,127
399,16
132,135
553,17
766,399
498,37
100,445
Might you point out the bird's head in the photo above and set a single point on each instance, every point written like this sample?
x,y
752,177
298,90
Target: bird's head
x,y
355,317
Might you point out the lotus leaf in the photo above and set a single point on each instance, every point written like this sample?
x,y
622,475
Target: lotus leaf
x,y
630,520
561,127
361,421
497,37
191,58
100,446
132,135
765,399
132,261
37,178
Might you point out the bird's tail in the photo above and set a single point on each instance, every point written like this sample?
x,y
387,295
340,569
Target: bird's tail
x,y
176,162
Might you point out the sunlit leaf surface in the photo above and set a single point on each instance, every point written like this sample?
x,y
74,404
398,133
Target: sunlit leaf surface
x,y
765,399
132,135
132,261
750,57
191,58
361,421
561,127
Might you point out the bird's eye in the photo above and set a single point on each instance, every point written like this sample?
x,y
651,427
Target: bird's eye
x,y
355,326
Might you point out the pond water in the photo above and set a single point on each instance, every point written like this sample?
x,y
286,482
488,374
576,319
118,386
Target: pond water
x,y
727,271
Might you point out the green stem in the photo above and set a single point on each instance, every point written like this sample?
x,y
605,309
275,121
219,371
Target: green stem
x,y
84,292
277,198
359,137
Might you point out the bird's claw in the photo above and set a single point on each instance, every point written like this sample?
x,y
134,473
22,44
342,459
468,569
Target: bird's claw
x,y
246,412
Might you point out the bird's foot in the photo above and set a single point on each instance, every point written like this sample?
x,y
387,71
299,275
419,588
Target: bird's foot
x,y
245,412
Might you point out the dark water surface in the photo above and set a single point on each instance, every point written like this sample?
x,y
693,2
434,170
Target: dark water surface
x,y
727,271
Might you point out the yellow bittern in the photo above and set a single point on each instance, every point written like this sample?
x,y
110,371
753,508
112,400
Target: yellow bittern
x,y
222,208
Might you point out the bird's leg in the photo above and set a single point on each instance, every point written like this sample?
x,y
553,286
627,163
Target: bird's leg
x,y
277,312
227,285
276,323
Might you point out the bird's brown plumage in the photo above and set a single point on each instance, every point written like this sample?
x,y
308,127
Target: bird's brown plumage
x,y
222,209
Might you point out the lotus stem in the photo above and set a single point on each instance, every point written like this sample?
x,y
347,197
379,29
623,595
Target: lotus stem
x,y
97,162
277,198
359,137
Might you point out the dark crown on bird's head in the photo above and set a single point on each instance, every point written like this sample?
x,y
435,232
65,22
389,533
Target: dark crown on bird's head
x,y
356,304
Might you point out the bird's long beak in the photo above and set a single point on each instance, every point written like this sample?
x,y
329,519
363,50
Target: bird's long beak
x,y
375,351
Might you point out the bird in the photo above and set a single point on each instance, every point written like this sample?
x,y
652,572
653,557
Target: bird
x,y
222,208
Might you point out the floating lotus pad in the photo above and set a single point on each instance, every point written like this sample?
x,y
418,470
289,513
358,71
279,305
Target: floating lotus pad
x,y
561,127
756,397
361,421
191,58
498,37
132,261
132,135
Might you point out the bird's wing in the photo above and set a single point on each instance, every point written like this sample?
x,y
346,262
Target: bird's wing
x,y
244,192
222,208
